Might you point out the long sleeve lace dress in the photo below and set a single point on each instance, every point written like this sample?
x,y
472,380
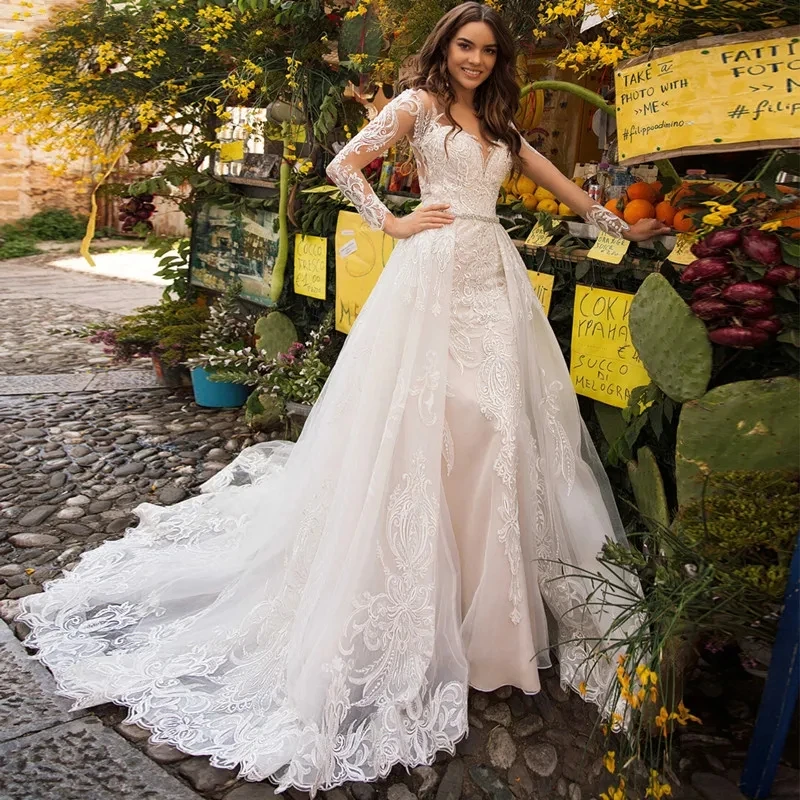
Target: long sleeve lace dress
x,y
317,614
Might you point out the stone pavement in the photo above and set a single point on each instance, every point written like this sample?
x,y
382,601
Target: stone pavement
x,y
74,461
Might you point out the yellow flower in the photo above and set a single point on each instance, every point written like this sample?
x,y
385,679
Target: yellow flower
x,y
662,719
609,761
683,716
726,211
773,225
615,793
656,789
714,219
582,688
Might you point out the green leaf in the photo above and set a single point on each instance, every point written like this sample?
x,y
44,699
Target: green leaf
x,y
582,268
361,34
792,336
322,189
791,252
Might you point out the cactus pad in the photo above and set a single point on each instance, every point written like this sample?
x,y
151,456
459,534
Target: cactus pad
x,y
748,425
648,489
671,341
275,334
263,412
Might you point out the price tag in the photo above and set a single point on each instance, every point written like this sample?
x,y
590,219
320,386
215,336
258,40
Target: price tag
x,y
604,363
232,151
310,261
682,252
537,237
609,249
543,287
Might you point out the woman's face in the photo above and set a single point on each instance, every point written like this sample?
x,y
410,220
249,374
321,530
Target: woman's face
x,y
471,55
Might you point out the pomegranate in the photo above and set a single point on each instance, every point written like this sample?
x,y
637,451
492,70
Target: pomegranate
x,y
741,292
762,247
743,338
706,269
711,309
782,275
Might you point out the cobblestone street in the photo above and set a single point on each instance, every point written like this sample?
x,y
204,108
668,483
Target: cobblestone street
x,y
83,443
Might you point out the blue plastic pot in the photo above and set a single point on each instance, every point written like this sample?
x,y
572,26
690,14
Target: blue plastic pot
x,y
213,394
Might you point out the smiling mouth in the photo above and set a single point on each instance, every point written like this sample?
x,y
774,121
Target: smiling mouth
x,y
472,73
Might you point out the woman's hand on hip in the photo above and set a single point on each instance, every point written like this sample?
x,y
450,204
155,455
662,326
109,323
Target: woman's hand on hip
x,y
423,218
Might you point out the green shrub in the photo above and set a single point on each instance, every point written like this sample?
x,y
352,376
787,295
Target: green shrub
x,y
16,246
746,528
55,224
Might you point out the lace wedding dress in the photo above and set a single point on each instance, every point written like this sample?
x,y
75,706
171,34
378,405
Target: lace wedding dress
x,y
317,614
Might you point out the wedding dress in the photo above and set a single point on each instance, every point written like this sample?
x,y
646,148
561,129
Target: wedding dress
x,y
317,614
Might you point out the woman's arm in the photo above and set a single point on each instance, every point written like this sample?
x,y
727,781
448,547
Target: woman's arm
x,y
395,121
543,173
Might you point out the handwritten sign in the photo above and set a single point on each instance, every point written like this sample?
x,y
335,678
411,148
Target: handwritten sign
x,y
609,249
361,254
696,97
543,287
537,237
232,151
604,363
682,252
310,261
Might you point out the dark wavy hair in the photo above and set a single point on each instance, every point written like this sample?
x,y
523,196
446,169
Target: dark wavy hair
x,y
497,98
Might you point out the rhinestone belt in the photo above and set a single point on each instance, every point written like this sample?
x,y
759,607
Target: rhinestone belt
x,y
478,217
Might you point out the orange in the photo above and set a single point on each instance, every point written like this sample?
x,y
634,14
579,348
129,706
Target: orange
x,y
682,222
788,217
665,212
658,188
638,209
641,191
616,206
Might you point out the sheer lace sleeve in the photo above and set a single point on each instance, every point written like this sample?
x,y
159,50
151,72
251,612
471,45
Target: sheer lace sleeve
x,y
606,221
394,122
539,169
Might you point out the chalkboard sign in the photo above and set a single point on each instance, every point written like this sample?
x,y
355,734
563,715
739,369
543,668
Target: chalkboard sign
x,y
227,245
737,92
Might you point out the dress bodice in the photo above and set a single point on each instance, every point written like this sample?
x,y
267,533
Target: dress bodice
x,y
454,168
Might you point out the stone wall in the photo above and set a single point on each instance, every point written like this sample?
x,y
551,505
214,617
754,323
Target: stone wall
x,y
26,183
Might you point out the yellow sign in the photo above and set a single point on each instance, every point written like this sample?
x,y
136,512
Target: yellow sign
x,y
682,252
729,94
543,287
310,260
232,151
604,363
609,249
537,237
361,254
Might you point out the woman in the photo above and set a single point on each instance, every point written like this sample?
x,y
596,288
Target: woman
x,y
317,614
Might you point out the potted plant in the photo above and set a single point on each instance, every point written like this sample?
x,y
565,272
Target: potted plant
x,y
168,333
287,375
228,331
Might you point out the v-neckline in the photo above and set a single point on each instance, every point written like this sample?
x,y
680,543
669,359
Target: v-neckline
x,y
486,149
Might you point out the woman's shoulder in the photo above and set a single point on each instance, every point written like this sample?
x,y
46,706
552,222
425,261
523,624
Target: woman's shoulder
x,y
416,100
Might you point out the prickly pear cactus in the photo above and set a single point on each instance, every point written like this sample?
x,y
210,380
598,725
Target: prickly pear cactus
x,y
671,341
275,334
648,489
748,425
262,412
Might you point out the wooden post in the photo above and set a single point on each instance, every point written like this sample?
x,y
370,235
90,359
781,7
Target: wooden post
x,y
780,695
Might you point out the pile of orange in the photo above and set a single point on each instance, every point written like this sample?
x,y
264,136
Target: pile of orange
x,y
647,201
